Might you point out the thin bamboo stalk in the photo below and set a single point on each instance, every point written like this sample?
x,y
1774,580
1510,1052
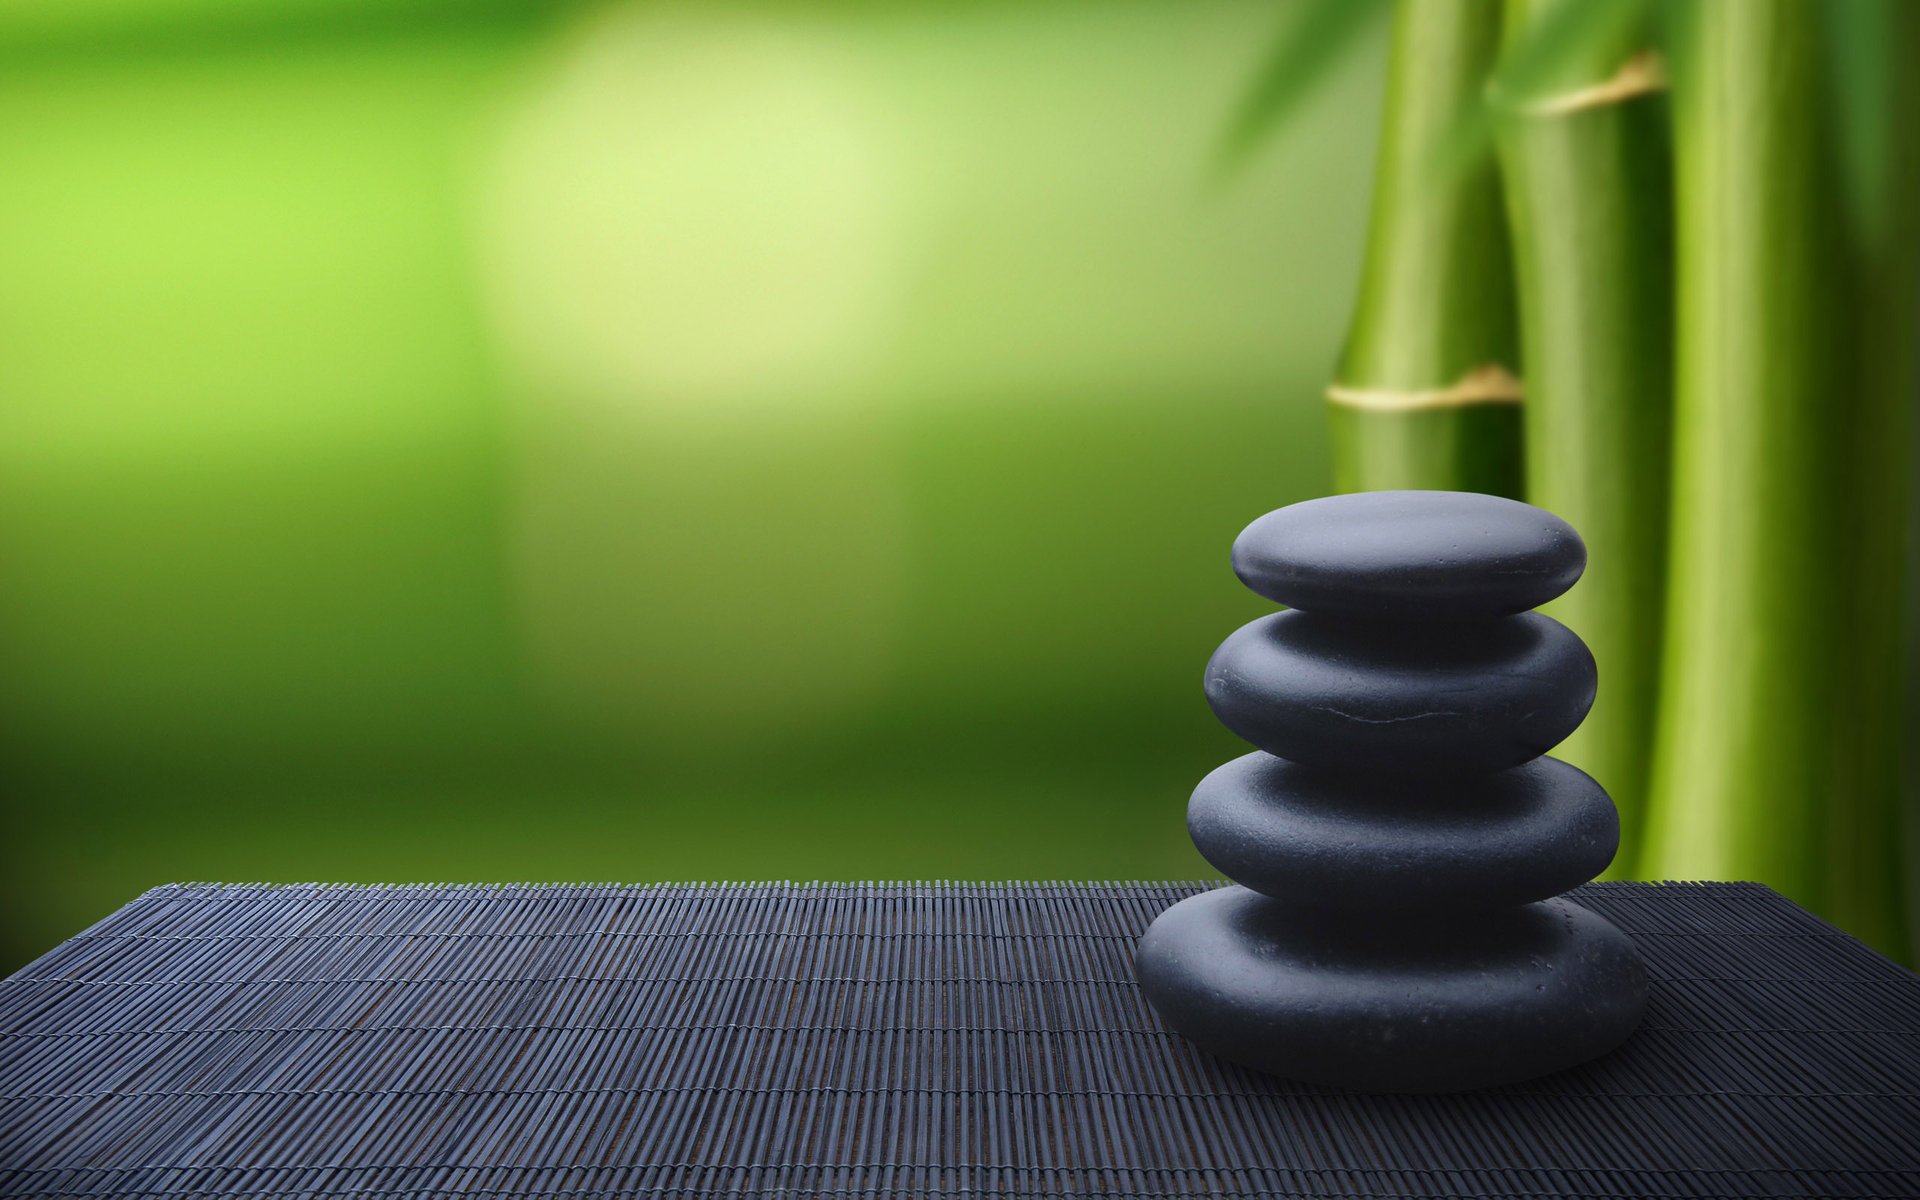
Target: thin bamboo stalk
x,y
1426,394
1755,681
1588,187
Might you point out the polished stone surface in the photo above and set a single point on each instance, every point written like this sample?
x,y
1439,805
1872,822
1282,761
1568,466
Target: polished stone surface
x,y
1401,838
1407,697
1384,1002
1417,554
1314,836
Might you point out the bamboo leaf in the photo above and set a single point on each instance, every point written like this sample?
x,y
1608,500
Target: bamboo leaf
x,y
1674,30
1310,41
1857,33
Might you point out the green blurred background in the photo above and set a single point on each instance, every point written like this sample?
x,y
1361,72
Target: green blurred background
x,y
458,440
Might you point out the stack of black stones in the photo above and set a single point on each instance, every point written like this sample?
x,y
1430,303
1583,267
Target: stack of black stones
x,y
1399,839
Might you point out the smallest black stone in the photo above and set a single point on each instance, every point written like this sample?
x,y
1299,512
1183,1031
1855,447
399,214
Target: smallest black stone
x,y
1427,555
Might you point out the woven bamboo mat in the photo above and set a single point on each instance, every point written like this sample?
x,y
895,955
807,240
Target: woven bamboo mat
x,y
878,1040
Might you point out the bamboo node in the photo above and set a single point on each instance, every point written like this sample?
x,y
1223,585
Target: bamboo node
x,y
1641,75
1489,384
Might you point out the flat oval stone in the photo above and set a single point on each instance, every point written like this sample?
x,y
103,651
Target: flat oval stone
x,y
1411,554
1337,839
1409,698
1382,1004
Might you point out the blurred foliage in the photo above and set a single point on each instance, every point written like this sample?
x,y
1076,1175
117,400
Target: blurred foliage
x,y
636,441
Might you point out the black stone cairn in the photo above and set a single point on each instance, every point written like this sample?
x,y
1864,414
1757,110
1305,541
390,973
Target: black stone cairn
x,y
1400,839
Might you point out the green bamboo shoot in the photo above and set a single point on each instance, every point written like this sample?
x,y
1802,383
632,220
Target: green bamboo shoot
x,y
1588,188
1863,848
1427,394
1758,665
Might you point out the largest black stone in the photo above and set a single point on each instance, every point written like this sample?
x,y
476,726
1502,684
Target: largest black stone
x,y
1392,1003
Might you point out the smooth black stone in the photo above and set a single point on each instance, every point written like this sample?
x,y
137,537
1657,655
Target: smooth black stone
x,y
1412,554
1386,1005
1313,836
1462,696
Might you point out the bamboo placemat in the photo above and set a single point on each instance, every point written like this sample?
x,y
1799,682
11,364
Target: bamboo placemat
x,y
984,1041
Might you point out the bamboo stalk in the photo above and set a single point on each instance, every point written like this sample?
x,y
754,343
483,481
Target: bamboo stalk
x,y
1864,859
1425,395
1588,189
1757,669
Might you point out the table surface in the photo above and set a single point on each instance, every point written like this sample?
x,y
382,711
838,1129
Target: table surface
x,y
984,1041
